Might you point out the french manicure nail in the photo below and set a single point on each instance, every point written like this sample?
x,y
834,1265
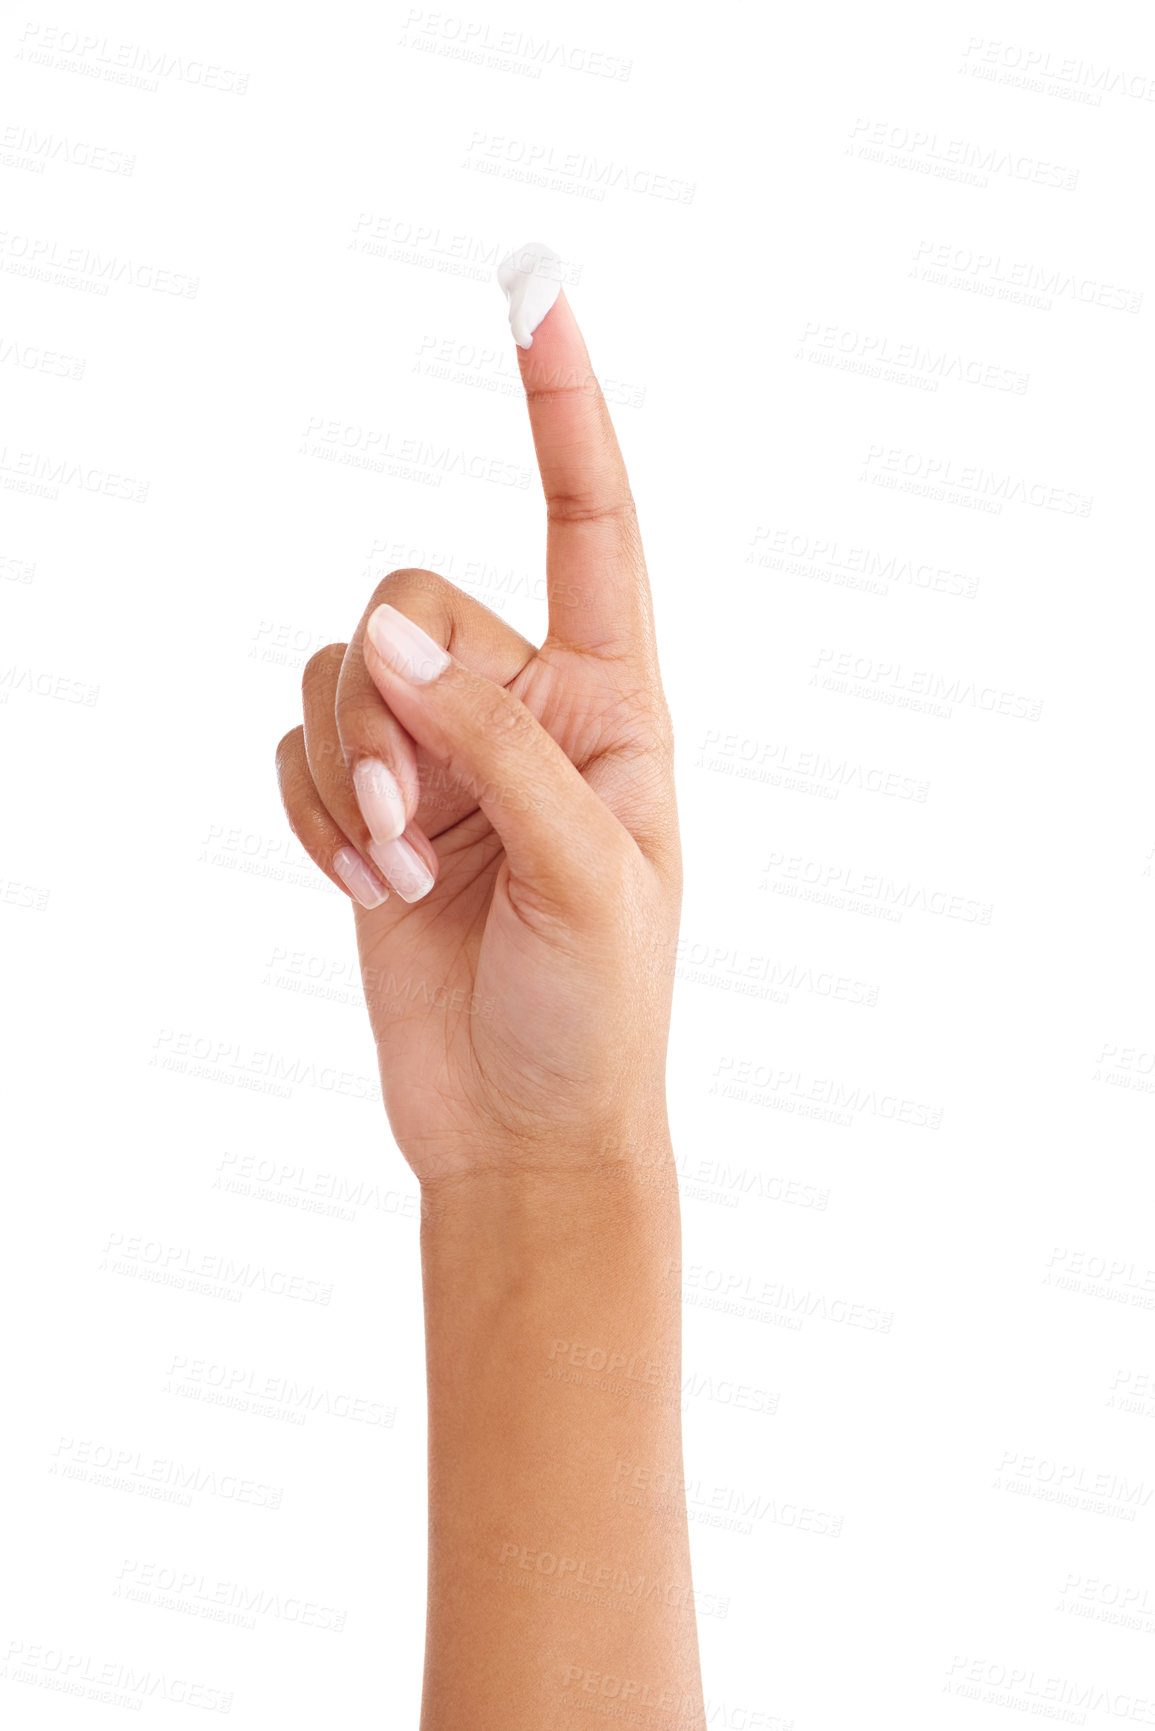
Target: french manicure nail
x,y
380,798
403,868
358,879
409,651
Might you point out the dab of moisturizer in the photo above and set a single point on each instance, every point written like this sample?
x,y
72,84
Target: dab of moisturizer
x,y
531,282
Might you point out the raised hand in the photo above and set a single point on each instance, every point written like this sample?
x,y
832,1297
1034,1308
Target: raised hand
x,y
519,804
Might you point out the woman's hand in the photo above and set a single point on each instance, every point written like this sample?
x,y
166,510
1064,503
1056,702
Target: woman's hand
x,y
520,803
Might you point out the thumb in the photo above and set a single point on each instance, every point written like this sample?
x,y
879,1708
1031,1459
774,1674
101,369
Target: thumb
x,y
562,842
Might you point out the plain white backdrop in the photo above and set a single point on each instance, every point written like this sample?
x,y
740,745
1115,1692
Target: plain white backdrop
x,y
869,293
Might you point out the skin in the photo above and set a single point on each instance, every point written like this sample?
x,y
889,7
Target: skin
x,y
521,1012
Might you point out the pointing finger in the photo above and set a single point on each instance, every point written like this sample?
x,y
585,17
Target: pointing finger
x,y
599,595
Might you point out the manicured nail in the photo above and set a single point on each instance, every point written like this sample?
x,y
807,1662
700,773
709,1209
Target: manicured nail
x,y
409,651
358,879
403,867
531,278
380,798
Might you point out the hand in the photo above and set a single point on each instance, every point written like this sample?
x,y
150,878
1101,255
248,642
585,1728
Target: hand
x,y
518,979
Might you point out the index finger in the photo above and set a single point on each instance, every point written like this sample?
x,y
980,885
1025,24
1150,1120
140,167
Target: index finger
x,y
599,594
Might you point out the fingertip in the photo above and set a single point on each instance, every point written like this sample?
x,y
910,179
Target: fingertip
x,y
362,884
530,279
401,646
555,350
545,321
408,863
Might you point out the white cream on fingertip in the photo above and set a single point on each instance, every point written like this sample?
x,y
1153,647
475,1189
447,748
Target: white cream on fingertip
x,y
531,281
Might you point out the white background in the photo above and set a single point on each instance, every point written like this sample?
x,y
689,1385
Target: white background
x,y
869,292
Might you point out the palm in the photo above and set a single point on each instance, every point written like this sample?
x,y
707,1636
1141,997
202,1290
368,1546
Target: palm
x,y
459,993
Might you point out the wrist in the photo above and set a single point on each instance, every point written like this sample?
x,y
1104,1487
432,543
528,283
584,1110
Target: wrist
x,y
606,1227
521,1188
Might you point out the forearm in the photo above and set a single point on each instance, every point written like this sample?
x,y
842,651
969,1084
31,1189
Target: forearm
x,y
559,1573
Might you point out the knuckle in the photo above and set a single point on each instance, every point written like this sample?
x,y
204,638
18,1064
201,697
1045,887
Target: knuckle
x,y
498,714
359,716
496,747
589,506
408,580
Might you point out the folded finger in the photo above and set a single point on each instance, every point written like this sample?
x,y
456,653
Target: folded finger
x,y
566,851
367,729
400,854
327,845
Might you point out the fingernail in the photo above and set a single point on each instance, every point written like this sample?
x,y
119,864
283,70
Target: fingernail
x,y
403,867
409,651
380,798
531,281
358,879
